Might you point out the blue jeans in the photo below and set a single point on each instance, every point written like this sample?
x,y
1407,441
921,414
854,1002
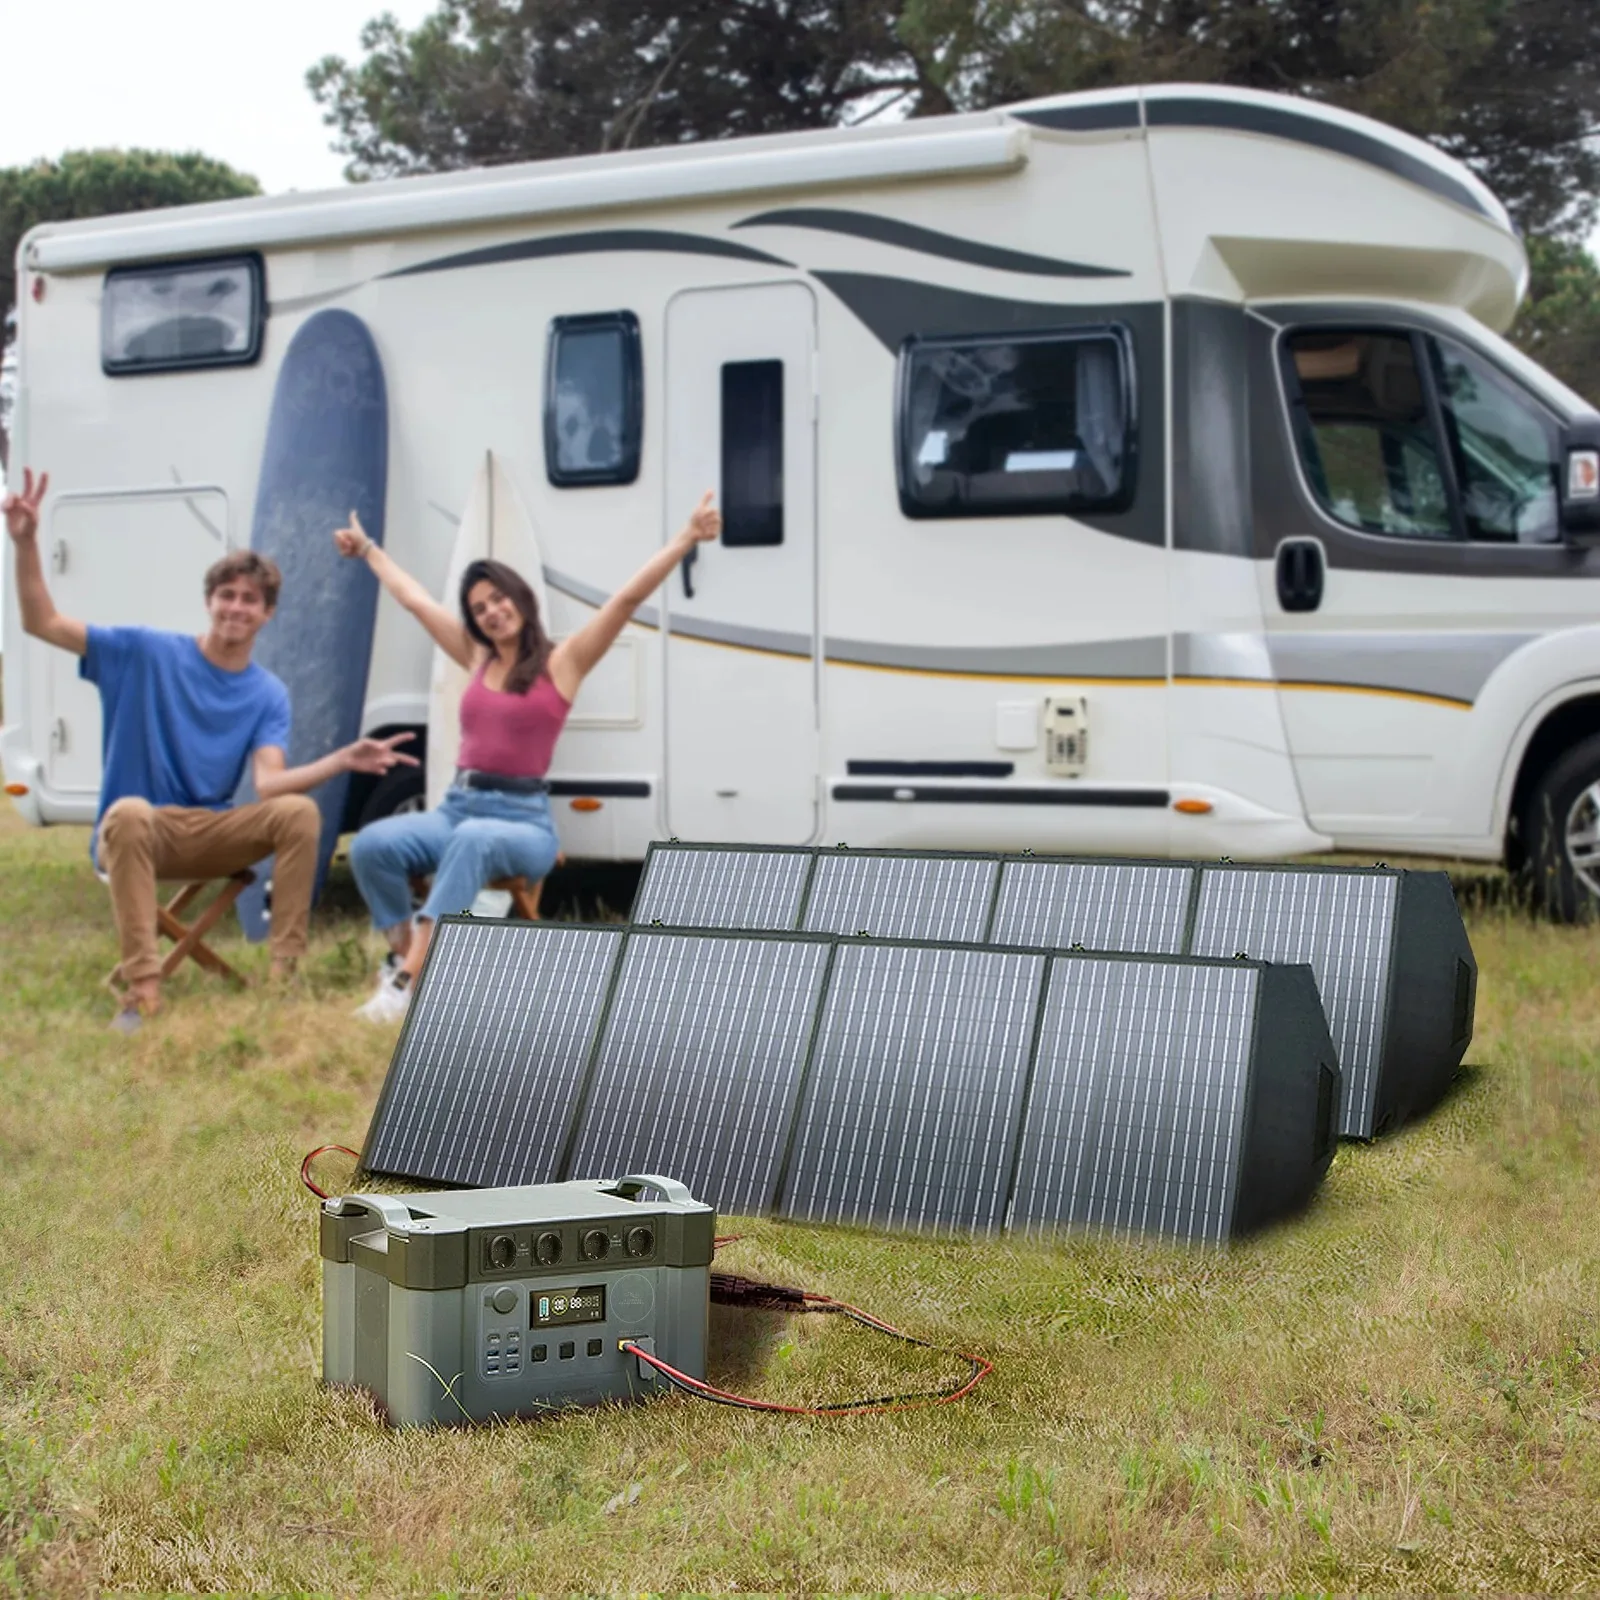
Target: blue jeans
x,y
475,836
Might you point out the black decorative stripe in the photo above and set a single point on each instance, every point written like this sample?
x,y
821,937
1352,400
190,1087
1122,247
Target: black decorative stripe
x,y
1084,119
603,239
602,788
926,241
1005,795
1280,123
930,769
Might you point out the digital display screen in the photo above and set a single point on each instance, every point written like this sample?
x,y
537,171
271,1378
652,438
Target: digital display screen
x,y
556,1308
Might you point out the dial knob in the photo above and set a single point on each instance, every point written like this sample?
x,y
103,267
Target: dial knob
x,y
548,1249
595,1244
502,1250
504,1299
641,1241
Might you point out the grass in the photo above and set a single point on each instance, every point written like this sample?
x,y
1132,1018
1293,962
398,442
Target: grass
x,y
1398,1390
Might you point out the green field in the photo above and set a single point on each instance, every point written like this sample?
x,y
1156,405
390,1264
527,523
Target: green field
x,y
1399,1390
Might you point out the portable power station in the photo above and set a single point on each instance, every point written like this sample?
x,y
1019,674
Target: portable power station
x,y
471,1304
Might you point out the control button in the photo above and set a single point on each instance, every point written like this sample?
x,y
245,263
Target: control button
x,y
596,1346
502,1251
641,1241
504,1299
595,1244
548,1249
568,1350
539,1352
494,1341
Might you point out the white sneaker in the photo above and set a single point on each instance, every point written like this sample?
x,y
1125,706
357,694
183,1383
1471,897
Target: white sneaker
x,y
389,1004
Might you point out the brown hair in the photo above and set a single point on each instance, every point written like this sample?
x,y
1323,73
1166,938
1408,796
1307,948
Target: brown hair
x,y
261,571
533,643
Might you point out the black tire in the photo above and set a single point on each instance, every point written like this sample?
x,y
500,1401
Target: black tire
x,y
1561,826
402,790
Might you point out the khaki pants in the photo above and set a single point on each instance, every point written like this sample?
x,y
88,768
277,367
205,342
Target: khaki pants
x,y
140,843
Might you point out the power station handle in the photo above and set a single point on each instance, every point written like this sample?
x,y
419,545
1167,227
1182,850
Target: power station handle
x,y
637,1182
688,561
390,1212
1300,574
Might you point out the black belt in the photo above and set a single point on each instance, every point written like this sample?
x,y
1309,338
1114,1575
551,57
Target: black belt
x,y
467,778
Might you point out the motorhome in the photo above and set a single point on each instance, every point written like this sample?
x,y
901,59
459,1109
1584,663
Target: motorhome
x,y
1142,471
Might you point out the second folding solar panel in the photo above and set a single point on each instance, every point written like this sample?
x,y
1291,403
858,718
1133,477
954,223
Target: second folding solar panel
x,y
912,1102
700,1062
720,886
889,895
1099,905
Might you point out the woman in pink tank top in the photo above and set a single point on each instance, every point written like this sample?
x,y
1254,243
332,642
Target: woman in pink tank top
x,y
494,821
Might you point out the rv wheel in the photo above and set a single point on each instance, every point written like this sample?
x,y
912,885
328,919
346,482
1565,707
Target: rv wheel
x,y
396,794
1562,827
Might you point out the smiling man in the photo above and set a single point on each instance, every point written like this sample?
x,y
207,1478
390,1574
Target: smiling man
x,y
182,716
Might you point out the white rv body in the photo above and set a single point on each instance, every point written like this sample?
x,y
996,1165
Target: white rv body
x,y
879,678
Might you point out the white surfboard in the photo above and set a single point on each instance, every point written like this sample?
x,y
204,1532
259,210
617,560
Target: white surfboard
x,y
495,525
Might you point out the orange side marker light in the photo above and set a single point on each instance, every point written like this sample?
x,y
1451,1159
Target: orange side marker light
x,y
587,802
1192,808
16,788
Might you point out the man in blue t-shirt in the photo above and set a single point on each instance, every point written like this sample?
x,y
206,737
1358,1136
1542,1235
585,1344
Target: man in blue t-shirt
x,y
182,717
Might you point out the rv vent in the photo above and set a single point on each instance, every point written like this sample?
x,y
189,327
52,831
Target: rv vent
x,y
1066,735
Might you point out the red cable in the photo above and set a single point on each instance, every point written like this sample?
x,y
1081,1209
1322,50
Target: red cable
x,y
321,1150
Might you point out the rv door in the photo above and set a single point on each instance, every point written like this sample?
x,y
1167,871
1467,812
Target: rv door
x,y
1416,472
741,647
121,558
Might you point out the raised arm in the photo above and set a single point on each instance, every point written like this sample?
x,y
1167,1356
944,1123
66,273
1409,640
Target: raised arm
x,y
39,614
442,624
574,659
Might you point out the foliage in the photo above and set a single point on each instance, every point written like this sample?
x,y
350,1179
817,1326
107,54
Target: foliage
x,y
97,183
1559,325
1511,87
484,81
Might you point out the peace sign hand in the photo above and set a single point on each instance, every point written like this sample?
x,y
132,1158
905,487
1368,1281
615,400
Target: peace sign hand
x,y
705,521
354,540
22,510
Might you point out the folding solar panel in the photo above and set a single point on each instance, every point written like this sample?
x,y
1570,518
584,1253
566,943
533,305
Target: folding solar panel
x,y
483,1081
1100,905
910,1108
1188,1099
715,886
895,895
1392,962
700,1061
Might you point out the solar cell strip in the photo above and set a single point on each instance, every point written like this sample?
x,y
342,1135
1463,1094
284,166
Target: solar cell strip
x,y
482,1085
1135,1118
1122,906
1342,925
694,887
698,1068
909,1113
902,897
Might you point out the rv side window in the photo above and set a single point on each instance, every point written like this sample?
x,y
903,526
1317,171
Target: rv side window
x,y
594,400
1365,435
1506,449
1016,423
187,314
752,452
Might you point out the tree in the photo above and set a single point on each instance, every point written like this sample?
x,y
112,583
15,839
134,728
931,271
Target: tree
x,y
1559,324
95,183
485,81
1510,87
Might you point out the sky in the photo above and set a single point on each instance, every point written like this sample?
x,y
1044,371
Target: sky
x,y
219,76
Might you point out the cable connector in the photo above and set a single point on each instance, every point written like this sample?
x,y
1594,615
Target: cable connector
x,y
730,1289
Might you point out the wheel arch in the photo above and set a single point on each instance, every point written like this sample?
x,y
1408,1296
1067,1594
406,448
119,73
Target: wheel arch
x,y
1561,727
363,783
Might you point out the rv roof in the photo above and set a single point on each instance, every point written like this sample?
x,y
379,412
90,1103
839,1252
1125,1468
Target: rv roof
x,y
983,142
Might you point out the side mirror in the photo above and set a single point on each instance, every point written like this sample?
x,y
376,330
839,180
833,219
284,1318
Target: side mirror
x,y
1580,481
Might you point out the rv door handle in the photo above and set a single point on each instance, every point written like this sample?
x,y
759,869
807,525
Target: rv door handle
x,y
1300,574
688,561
